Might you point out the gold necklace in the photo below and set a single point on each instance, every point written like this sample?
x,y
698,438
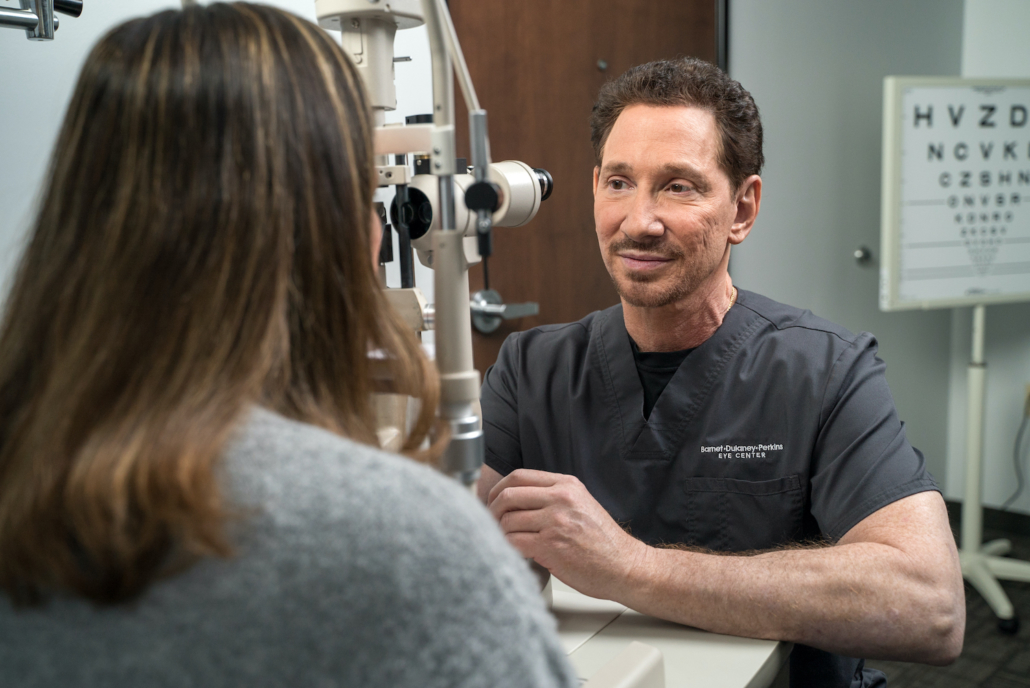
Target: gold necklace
x,y
733,300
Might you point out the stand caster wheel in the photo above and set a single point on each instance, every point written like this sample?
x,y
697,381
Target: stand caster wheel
x,y
1009,626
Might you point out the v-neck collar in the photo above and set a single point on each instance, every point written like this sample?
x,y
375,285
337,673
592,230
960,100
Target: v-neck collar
x,y
660,436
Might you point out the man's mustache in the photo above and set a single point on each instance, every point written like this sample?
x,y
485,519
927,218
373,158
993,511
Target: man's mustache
x,y
657,249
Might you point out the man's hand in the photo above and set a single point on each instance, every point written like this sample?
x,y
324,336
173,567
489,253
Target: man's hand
x,y
552,519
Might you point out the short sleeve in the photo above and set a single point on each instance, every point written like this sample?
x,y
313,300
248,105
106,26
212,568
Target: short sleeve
x,y
499,400
862,460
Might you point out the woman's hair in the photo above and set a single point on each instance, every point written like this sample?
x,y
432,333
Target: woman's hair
x,y
203,245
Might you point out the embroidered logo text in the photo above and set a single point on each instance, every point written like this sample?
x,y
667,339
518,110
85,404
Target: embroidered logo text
x,y
741,451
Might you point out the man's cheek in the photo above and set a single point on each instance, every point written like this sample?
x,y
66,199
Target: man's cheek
x,y
604,239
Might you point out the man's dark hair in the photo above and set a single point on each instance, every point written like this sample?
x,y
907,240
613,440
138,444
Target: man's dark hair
x,y
696,83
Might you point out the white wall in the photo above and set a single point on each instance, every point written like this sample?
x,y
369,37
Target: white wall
x,y
994,38
816,68
994,44
36,83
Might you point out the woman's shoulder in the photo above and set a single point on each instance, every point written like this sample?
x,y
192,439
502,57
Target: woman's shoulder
x,y
308,494
302,486
268,443
277,464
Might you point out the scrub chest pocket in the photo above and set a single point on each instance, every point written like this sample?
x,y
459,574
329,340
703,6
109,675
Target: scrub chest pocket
x,y
732,515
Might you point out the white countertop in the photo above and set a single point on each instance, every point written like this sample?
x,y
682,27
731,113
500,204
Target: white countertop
x,y
594,631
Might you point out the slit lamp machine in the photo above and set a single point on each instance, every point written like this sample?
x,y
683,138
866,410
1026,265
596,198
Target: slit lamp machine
x,y
444,212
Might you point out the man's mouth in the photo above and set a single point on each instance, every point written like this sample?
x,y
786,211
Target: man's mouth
x,y
643,261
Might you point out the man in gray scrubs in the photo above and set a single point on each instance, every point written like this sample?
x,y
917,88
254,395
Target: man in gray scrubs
x,y
701,453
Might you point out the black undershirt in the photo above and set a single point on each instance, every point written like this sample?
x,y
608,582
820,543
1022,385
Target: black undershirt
x,y
655,369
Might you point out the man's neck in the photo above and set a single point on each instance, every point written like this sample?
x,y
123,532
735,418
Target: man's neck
x,y
685,324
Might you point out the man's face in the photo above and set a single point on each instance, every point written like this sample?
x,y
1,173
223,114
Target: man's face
x,y
664,209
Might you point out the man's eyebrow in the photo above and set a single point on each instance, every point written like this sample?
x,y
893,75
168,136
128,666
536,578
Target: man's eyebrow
x,y
688,172
616,168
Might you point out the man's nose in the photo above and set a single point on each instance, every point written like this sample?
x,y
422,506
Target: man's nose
x,y
642,221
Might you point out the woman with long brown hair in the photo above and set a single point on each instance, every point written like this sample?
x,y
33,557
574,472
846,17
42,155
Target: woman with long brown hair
x,y
187,491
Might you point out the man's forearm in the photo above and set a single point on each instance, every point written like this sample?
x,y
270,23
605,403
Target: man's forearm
x,y
890,588
863,599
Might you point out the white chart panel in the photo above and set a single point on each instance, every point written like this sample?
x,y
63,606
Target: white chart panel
x,y
956,196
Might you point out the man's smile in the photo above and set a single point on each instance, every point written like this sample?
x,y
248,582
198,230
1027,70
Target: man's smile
x,y
643,261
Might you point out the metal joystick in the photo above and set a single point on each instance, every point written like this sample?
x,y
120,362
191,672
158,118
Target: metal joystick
x,y
489,309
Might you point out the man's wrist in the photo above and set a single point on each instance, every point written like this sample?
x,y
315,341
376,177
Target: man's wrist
x,y
642,571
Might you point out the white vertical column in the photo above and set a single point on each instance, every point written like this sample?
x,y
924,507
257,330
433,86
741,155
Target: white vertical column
x,y
972,511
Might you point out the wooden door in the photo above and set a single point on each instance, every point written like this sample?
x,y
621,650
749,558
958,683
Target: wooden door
x,y
537,66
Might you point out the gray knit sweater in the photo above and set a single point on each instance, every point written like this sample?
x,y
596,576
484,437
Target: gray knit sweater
x,y
353,568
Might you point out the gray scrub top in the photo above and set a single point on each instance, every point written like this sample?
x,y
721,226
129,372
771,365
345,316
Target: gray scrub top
x,y
779,428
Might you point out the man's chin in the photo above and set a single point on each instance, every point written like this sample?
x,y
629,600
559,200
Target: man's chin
x,y
647,294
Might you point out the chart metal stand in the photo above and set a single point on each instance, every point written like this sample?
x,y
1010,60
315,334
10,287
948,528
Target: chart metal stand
x,y
983,564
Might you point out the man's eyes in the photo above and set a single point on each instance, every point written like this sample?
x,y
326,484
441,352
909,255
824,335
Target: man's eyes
x,y
622,185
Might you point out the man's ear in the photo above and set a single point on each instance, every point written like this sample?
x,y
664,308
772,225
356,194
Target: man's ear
x,y
597,174
749,198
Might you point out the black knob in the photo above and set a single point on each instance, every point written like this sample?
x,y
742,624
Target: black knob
x,y
73,8
546,182
482,196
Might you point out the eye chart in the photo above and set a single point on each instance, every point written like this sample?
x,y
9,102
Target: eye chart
x,y
955,205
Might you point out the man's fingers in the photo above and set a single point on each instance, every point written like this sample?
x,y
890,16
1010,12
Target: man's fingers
x,y
525,543
519,499
524,521
523,477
